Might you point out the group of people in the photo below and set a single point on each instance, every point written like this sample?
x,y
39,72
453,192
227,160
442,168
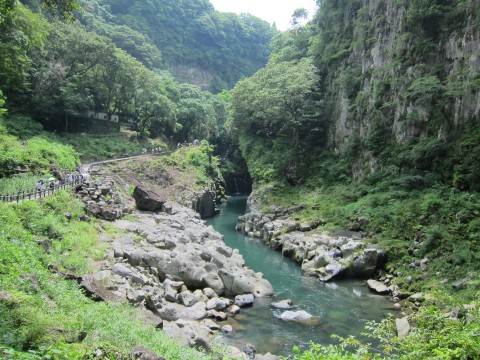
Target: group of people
x,y
70,179
195,142
158,150
154,151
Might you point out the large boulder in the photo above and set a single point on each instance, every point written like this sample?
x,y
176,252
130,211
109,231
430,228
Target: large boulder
x,y
212,280
244,300
403,327
168,312
195,312
121,270
111,212
378,287
186,298
238,283
283,305
332,271
147,199
218,304
365,265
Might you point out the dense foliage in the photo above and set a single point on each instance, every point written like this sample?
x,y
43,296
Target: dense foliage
x,y
370,110
192,34
276,106
24,147
61,72
435,337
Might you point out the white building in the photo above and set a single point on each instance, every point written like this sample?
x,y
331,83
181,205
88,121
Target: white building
x,y
102,116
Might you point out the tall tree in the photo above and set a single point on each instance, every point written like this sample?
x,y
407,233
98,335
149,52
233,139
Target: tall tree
x,y
21,32
276,102
61,84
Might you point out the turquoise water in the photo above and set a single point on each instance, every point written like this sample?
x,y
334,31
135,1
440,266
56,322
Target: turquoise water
x,y
343,307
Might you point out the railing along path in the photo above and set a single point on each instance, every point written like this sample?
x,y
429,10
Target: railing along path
x,y
49,190
40,193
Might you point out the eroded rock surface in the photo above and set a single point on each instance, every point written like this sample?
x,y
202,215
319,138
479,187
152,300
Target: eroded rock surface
x,y
179,246
325,255
300,316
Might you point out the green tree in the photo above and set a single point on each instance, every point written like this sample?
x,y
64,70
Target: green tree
x,y
63,8
61,85
276,102
152,109
299,16
21,33
200,114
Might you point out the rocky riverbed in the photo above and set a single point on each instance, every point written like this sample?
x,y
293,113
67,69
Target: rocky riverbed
x,y
170,264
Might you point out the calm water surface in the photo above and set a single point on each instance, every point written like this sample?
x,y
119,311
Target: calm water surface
x,y
343,307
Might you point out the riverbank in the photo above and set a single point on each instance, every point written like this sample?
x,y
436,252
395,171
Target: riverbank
x,y
340,308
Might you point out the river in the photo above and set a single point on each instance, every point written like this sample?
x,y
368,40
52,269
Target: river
x,y
343,307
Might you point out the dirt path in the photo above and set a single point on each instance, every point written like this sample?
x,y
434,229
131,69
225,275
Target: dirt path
x,y
86,167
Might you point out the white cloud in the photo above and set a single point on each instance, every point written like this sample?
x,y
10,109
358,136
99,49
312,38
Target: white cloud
x,y
274,11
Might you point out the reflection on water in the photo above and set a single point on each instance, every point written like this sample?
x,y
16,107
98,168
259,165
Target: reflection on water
x,y
343,308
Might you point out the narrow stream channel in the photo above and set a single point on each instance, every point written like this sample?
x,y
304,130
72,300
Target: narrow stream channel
x,y
343,307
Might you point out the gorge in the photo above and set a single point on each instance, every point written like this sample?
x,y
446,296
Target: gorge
x,y
356,135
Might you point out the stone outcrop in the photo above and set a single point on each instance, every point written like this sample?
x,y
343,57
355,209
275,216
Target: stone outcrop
x,y
204,203
403,327
101,199
378,287
244,300
300,316
181,271
325,255
283,305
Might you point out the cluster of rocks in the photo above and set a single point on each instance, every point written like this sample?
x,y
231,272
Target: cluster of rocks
x,y
191,317
180,271
323,254
101,199
401,298
203,202
178,244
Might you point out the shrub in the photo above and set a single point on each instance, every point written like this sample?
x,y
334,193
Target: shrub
x,y
425,90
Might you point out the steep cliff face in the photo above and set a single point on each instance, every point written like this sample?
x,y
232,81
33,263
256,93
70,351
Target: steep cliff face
x,y
397,71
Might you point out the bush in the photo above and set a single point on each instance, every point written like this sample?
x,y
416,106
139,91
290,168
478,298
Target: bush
x,y
22,126
36,153
435,336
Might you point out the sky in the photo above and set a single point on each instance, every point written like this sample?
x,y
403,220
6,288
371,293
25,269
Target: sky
x,y
278,11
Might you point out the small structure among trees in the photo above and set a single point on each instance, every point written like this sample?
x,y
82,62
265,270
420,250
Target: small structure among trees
x,y
91,114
